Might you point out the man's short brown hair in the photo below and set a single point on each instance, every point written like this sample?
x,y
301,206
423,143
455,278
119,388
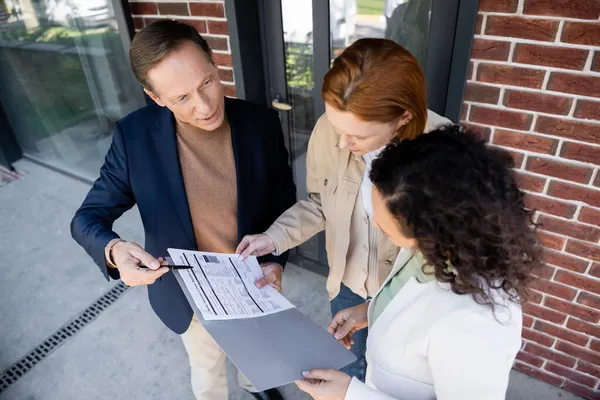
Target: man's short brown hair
x,y
156,41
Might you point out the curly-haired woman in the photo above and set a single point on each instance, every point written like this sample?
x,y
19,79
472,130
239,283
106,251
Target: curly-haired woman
x,y
446,323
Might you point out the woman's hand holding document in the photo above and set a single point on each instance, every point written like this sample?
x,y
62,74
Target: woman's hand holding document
x,y
261,332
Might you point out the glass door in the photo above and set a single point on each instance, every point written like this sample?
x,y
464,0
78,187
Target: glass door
x,y
302,37
65,79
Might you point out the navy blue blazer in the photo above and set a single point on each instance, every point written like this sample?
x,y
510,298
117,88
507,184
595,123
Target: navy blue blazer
x,y
142,167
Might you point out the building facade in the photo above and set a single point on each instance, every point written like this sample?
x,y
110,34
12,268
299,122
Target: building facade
x,y
525,74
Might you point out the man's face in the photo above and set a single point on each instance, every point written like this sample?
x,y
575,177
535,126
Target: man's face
x,y
188,84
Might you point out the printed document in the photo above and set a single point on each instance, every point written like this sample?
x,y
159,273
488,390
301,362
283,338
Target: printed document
x,y
223,287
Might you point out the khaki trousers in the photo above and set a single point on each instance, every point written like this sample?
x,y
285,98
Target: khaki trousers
x,y
207,363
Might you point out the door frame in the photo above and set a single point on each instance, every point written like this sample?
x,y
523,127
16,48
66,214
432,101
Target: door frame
x,y
258,55
258,51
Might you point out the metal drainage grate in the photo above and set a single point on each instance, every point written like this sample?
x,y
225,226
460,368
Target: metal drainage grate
x,y
16,371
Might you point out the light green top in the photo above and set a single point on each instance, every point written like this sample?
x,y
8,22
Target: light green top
x,y
412,268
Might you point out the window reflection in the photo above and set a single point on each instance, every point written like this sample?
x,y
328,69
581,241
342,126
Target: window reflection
x,y
64,79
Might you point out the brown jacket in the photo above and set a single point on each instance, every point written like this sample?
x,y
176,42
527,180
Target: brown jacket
x,y
333,178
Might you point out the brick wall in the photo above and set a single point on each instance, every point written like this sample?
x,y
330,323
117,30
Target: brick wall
x,y
534,89
208,17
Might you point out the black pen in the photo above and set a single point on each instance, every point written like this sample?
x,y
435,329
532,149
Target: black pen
x,y
171,266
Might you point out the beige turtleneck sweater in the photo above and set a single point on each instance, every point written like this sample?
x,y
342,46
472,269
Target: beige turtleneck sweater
x,y
209,177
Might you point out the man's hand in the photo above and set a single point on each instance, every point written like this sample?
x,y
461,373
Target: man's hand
x,y
325,384
255,245
128,256
272,276
346,322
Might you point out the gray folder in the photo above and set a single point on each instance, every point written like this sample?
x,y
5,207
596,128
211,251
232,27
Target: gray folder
x,y
274,349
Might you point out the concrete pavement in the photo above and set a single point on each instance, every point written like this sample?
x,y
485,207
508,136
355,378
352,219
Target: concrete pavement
x,y
125,352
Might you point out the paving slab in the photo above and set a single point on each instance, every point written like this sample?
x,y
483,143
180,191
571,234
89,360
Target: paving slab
x,y
47,279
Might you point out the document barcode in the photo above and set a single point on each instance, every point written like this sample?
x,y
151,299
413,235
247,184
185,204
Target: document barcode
x,y
211,259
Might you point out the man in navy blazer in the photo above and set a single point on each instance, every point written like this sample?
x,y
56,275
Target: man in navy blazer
x,y
163,159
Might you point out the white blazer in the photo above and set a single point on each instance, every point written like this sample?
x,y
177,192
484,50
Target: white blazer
x,y
431,343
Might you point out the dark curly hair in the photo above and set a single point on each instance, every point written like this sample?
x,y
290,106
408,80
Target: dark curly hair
x,y
459,199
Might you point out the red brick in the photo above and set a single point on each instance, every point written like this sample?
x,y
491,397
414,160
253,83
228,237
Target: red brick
x,y
559,169
537,102
588,369
551,56
597,180
527,321
550,206
582,32
544,313
226,75
582,9
545,272
537,337
517,27
138,22
567,228
581,152
579,352
218,27
586,283
529,182
511,76
585,250
571,375
554,289
562,333
595,271
564,261
482,49
549,354
207,10
589,300
217,43
584,85
550,241
223,60
590,216
229,90
529,359
572,192
200,25
483,132
173,9
146,7
595,345
517,157
587,109
498,117
584,327
524,141
538,374
481,93
535,298
580,390
574,310
569,129
506,6
596,62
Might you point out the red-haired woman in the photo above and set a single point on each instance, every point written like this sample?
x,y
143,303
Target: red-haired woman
x,y
374,94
